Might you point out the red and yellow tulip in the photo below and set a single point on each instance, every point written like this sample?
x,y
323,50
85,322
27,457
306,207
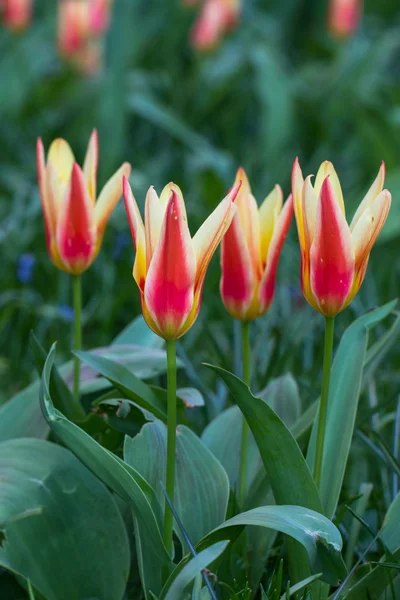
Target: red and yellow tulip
x,y
334,255
251,249
215,19
344,16
17,14
170,265
74,221
81,25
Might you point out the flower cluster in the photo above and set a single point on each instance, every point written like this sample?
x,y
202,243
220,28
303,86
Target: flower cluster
x,y
170,265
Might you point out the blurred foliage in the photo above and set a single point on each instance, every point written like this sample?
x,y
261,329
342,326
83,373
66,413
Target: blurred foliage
x,y
278,87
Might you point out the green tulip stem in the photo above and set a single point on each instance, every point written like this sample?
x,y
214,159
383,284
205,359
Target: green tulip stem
x,y
323,406
171,444
245,428
77,295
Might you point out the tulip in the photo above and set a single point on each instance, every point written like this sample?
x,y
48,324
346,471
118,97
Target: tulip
x,y
99,14
74,221
344,16
17,14
73,26
334,255
170,266
169,270
250,252
215,19
81,26
251,249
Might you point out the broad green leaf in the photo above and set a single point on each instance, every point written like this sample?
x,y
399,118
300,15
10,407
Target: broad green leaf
x,y
62,528
21,416
116,474
346,378
288,473
201,484
138,333
317,534
282,395
182,581
130,386
223,437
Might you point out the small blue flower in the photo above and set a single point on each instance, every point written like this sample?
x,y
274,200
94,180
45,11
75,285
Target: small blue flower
x,y
25,267
66,312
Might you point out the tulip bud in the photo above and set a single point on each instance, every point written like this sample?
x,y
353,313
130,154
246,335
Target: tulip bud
x,y
74,221
251,249
344,16
170,265
17,14
334,255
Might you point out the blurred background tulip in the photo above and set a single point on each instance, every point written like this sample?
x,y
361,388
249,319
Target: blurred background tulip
x,y
17,14
81,26
216,18
344,17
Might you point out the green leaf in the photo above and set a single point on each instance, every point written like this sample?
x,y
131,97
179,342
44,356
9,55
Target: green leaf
x,y
201,484
287,470
317,534
116,474
282,395
223,437
139,333
391,530
176,589
372,585
300,586
289,475
130,386
63,530
59,390
346,378
21,416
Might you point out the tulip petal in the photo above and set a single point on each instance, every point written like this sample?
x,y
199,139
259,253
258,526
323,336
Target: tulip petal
x,y
248,214
237,279
109,196
331,254
154,211
266,289
310,203
328,170
210,234
138,235
375,189
169,287
367,229
59,165
48,213
76,232
90,165
268,217
297,193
